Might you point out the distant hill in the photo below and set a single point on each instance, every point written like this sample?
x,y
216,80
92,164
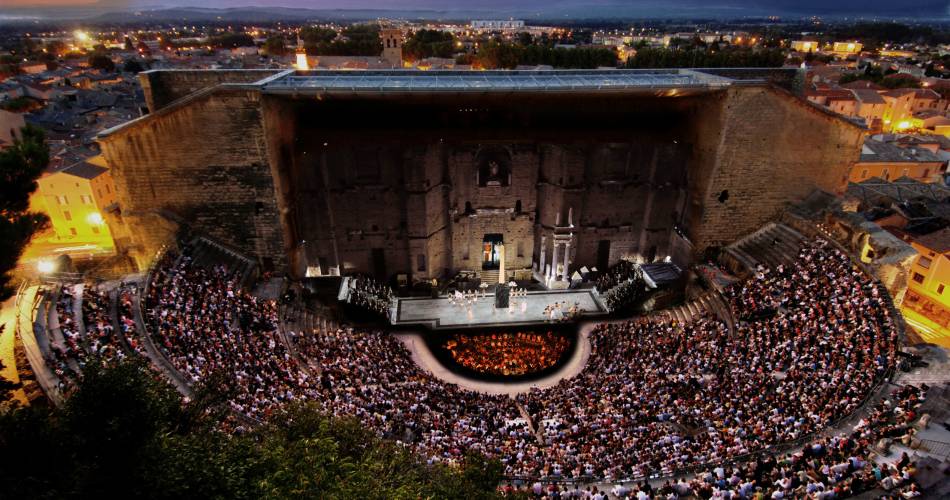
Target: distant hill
x,y
530,10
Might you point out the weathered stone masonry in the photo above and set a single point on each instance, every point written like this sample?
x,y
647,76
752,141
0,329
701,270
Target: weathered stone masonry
x,y
386,184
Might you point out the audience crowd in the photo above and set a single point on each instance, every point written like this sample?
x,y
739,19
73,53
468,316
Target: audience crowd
x,y
831,467
671,396
80,339
204,323
100,334
68,356
510,353
127,326
813,339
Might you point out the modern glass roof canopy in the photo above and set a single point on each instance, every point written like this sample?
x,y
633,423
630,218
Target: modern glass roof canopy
x,y
409,81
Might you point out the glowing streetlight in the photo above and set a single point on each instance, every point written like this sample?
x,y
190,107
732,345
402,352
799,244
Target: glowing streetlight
x,y
302,63
81,36
45,266
94,218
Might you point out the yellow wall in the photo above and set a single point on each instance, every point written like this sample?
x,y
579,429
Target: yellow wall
x,y
923,172
804,46
898,113
926,278
847,47
75,207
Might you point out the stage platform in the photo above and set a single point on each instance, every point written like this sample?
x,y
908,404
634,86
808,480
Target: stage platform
x,y
440,314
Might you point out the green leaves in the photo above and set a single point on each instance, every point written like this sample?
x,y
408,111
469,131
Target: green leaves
x,y
358,40
126,432
20,166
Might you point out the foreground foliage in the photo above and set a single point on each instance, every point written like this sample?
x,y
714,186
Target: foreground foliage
x,y
125,433
20,166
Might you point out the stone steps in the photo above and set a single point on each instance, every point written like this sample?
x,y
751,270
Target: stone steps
x,y
116,324
207,253
771,246
489,276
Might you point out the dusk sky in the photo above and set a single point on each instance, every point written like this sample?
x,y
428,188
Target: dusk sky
x,y
936,8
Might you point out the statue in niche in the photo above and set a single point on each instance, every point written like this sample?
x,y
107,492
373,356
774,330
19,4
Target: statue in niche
x,y
494,168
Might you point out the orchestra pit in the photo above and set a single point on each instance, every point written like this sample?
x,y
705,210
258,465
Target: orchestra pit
x,y
575,293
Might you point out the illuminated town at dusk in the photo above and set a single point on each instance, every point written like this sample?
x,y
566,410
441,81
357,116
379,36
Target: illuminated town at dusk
x,y
420,249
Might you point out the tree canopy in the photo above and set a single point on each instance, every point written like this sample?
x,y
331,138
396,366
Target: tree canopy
x,y
125,432
102,61
496,54
231,40
357,40
275,46
20,166
734,57
428,43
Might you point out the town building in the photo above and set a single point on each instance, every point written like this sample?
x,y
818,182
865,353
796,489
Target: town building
x,y
846,48
10,125
75,198
487,24
805,46
930,276
889,160
392,40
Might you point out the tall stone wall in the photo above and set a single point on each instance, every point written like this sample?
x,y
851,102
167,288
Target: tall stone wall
x,y
201,164
162,87
757,149
284,180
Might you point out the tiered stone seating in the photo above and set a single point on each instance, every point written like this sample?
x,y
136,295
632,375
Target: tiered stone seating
x,y
124,310
67,352
207,252
708,304
101,339
772,245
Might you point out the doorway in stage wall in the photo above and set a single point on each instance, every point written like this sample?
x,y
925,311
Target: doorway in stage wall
x,y
490,257
603,255
379,263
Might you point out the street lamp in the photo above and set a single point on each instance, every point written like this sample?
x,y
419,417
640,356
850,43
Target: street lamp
x,y
45,266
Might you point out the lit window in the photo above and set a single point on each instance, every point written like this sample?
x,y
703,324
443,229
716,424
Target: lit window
x,y
85,199
919,278
924,262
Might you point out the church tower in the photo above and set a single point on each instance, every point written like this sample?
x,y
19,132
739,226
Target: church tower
x,y
392,39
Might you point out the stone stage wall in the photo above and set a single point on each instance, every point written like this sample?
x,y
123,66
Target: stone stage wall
x,y
394,186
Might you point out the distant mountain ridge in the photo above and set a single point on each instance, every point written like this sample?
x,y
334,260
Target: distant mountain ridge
x,y
530,10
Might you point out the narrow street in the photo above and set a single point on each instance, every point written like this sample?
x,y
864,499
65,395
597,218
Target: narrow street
x,y
7,338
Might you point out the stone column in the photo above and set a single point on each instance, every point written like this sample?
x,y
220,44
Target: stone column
x,y
543,251
554,262
567,256
501,265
